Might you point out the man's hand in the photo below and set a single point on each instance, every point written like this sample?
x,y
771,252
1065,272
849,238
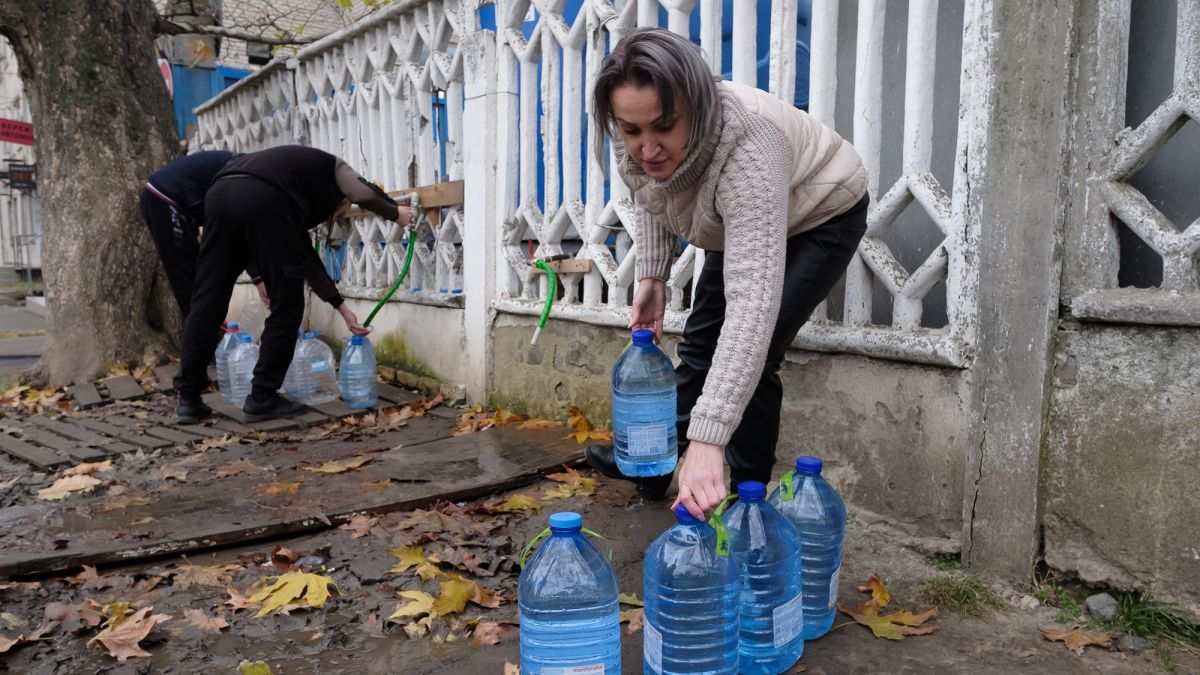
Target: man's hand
x,y
404,215
352,321
649,306
702,479
262,294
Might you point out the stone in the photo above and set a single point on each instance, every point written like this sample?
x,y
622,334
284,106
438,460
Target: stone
x,y
1102,606
1134,644
1028,603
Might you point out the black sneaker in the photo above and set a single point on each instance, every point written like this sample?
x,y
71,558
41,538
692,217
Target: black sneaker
x,y
603,459
191,411
274,408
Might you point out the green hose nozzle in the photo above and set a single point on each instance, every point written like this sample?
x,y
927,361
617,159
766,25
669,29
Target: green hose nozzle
x,y
411,232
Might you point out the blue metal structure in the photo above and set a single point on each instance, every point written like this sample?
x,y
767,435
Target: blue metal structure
x,y
194,86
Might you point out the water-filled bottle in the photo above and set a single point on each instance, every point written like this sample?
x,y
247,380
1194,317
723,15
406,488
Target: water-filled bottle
x,y
241,368
643,409
693,591
570,621
766,547
356,381
292,384
252,318
322,370
224,349
811,504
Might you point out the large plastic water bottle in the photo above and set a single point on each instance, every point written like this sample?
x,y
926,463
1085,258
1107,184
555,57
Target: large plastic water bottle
x,y
643,409
356,381
319,376
567,594
692,597
224,349
241,368
811,504
253,318
766,547
292,384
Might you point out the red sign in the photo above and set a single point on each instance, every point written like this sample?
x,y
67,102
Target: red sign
x,y
12,131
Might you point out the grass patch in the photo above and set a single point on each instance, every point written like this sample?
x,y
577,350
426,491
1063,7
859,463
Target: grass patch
x,y
1068,601
947,562
1157,621
964,593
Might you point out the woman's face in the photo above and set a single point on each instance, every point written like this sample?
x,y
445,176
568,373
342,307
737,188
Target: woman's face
x,y
658,146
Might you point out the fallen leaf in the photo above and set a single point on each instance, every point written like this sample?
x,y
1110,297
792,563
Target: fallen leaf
x,y
538,424
571,484
627,599
458,591
66,485
360,525
121,636
74,617
340,465
12,620
187,575
418,629
171,472
219,442
237,600
247,667
126,501
893,626
413,557
491,632
511,669
238,467
206,623
583,429
279,487
634,618
1077,639
6,484
419,603
89,468
7,644
526,505
464,559
301,588
878,592
282,558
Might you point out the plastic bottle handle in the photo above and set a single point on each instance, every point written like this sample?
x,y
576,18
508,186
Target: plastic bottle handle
x,y
715,521
546,532
787,486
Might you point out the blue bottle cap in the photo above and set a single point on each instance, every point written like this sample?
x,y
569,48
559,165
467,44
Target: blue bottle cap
x,y
684,516
356,339
455,291
232,325
751,490
312,334
566,521
642,336
243,337
808,465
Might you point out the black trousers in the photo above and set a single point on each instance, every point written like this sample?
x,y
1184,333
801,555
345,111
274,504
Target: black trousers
x,y
246,220
816,259
177,240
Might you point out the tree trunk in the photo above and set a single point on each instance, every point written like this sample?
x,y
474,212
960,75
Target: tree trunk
x,y
102,123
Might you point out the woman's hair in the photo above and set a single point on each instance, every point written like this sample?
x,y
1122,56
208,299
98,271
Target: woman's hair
x,y
672,65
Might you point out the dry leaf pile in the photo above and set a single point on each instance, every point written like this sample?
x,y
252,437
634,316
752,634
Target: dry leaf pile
x,y
895,626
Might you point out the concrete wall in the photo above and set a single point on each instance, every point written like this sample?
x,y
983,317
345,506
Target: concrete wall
x,y
894,434
1120,466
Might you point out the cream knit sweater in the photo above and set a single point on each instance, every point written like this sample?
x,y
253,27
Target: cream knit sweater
x,y
766,171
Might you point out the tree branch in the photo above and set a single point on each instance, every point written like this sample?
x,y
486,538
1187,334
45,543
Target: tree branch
x,y
168,27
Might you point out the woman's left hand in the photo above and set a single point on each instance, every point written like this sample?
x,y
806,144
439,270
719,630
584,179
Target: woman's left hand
x,y
352,321
404,215
702,479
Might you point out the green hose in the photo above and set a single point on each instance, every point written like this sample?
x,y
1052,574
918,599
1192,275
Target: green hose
x,y
552,291
412,245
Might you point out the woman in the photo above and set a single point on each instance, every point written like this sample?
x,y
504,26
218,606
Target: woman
x,y
260,208
776,199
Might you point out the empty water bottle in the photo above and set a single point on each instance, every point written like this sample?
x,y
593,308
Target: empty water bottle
x,y
356,381
766,547
692,591
570,621
292,385
811,504
241,368
643,409
252,318
321,383
224,349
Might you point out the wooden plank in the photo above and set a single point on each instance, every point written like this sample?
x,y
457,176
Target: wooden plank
x,y
134,437
395,395
85,395
62,428
65,446
231,510
437,195
164,377
173,435
580,266
194,429
230,426
42,458
338,410
123,388
235,413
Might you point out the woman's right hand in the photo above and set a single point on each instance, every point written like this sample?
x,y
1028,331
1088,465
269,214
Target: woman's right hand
x,y
649,306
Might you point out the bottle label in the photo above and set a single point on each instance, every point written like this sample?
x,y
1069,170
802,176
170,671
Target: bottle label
x,y
320,366
788,621
590,669
833,586
652,647
646,440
